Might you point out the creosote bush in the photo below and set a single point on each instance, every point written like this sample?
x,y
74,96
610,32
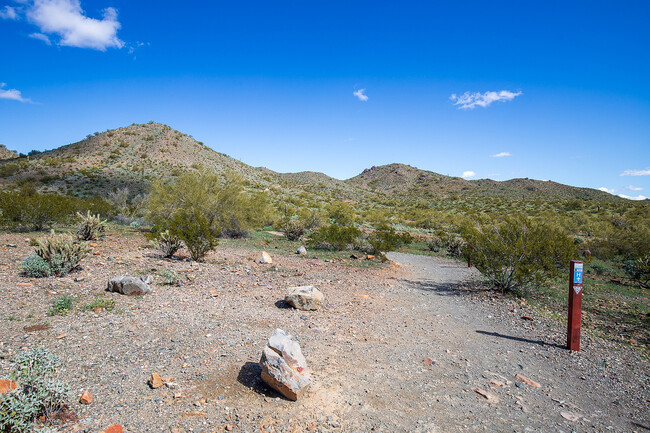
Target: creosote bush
x,y
293,229
91,226
38,393
335,237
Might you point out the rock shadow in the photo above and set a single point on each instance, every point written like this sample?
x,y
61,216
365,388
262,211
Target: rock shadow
x,y
282,304
250,376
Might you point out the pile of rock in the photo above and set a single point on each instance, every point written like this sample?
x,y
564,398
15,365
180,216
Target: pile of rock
x,y
284,367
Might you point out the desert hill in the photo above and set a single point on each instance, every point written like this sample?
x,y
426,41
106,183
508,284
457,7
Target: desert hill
x,y
6,153
135,155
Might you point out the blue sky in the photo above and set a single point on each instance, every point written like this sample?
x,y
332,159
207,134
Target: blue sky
x,y
501,89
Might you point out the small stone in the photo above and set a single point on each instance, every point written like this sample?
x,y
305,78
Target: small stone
x,y
527,318
573,417
265,258
304,297
155,381
60,336
86,398
370,257
430,361
115,428
7,385
302,251
497,383
527,381
491,398
353,256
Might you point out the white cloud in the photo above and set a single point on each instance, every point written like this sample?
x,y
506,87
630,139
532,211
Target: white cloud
x,y
66,19
12,94
361,95
604,189
633,188
8,13
638,197
468,174
501,155
645,172
478,99
41,37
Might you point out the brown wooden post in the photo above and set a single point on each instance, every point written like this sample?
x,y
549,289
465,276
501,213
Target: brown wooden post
x,y
575,305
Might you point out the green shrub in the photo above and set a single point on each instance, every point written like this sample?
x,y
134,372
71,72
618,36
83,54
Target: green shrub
x,y
293,229
100,302
639,269
600,269
61,252
334,237
167,243
90,226
171,277
61,306
385,239
35,266
518,252
38,394
197,207
435,244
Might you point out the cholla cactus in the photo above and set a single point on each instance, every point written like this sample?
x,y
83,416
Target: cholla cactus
x,y
167,243
61,252
90,227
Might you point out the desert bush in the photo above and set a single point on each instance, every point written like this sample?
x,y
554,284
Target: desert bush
x,y
171,277
90,226
639,269
334,237
518,252
455,245
167,243
35,266
38,393
600,269
293,229
61,253
435,243
197,207
341,213
61,306
384,239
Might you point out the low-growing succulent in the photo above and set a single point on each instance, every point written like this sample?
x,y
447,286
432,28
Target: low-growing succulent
x,y
35,266
61,253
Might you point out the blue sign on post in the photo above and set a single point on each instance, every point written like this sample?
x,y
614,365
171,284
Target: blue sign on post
x,y
577,273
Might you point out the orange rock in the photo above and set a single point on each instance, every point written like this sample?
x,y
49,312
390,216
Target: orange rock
x,y
7,385
86,398
527,381
115,428
155,381
370,257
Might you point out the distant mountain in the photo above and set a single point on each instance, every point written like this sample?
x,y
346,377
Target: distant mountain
x,y
136,155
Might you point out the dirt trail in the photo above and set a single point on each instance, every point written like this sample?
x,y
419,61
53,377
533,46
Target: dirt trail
x,y
479,344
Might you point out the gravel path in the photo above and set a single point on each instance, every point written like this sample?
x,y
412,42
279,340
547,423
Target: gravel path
x,y
398,349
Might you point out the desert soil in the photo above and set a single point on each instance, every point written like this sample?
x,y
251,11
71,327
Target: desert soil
x,y
416,346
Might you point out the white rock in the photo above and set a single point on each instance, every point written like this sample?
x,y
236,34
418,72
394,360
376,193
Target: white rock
x,y
284,367
265,258
130,286
302,251
304,297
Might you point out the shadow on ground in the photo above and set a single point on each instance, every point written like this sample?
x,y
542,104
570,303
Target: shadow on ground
x,y
250,376
450,289
523,340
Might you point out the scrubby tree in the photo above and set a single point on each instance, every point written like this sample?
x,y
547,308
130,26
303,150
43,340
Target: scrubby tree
x,y
197,207
518,252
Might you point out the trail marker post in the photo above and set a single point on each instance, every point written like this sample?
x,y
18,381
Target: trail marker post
x,y
575,305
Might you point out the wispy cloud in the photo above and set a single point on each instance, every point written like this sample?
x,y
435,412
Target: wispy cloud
x,y
638,197
605,189
501,155
467,174
11,94
41,37
66,19
361,94
470,100
633,188
8,13
645,172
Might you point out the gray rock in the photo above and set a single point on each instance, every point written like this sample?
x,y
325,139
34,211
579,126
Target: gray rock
x,y
302,251
304,297
265,258
130,286
284,367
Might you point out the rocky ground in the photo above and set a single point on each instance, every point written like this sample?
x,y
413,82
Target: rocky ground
x,y
416,346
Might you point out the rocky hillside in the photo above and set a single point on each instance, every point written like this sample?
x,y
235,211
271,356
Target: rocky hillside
x,y
136,155
6,153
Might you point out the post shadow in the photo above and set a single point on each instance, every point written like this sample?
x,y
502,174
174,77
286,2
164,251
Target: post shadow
x,y
523,340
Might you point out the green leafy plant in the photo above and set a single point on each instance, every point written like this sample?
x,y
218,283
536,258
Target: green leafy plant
x,y
385,239
293,229
61,306
38,393
90,226
518,252
61,252
639,269
100,302
171,277
35,266
334,237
